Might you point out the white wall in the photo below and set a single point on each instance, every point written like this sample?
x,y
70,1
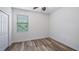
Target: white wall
x,y
64,26
8,10
38,26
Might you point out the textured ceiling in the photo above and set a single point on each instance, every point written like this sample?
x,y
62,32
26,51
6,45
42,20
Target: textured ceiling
x,y
48,10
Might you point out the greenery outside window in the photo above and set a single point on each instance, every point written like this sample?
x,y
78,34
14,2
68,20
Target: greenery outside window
x,y
22,23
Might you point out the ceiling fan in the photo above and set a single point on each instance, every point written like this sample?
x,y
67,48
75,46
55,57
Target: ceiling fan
x,y
43,8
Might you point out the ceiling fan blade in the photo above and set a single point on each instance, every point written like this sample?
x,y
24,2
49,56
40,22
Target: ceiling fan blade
x,y
43,8
35,7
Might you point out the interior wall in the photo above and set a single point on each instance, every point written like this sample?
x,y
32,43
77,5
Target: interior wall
x,y
38,26
64,26
8,10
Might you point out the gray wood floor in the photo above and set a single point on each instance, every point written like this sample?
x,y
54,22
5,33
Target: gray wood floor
x,y
45,44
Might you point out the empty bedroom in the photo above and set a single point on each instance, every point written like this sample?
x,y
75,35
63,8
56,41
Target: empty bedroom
x,y
39,28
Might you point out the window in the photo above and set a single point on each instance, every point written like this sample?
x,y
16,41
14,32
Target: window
x,y
22,23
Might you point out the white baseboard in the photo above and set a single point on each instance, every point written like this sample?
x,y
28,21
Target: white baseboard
x,y
62,42
29,39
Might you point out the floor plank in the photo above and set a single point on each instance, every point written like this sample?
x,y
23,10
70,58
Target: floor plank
x,y
45,44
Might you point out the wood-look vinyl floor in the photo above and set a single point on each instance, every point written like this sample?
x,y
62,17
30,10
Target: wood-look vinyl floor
x,y
46,44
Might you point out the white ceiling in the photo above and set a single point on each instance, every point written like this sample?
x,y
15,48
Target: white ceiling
x,y
48,10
